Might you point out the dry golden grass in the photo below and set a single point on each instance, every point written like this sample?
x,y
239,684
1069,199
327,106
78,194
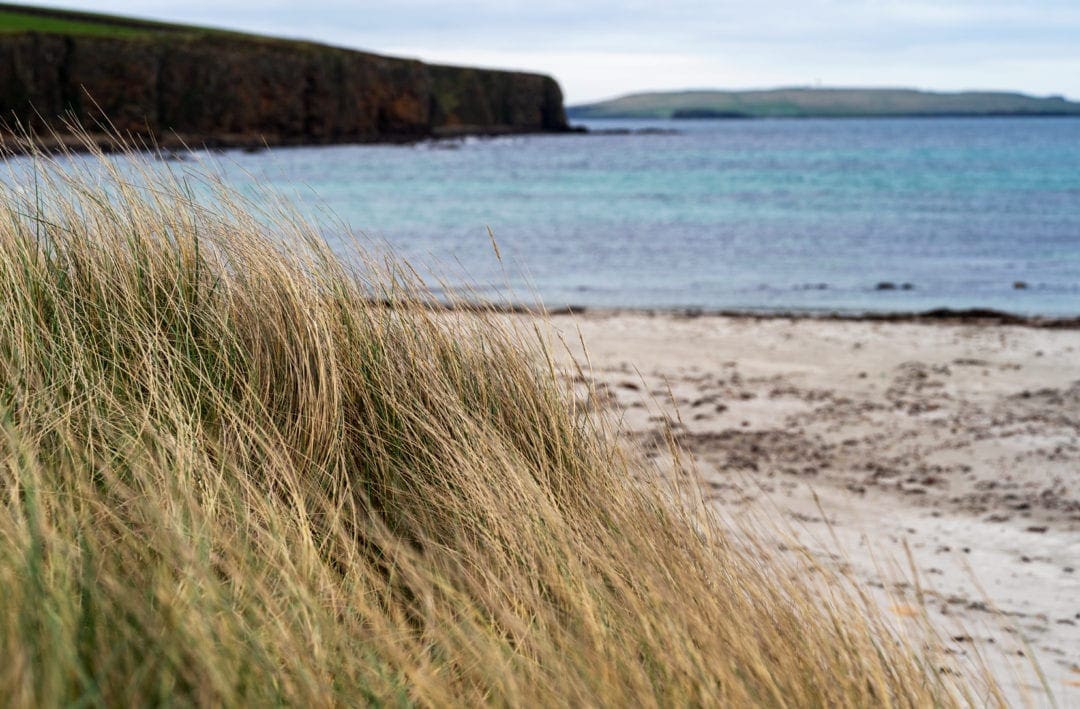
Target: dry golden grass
x,y
238,472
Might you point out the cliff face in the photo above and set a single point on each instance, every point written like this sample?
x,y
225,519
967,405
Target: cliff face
x,y
225,90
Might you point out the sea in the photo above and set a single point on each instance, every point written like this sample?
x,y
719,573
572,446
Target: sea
x,y
831,215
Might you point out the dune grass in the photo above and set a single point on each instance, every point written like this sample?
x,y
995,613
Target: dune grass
x,y
236,471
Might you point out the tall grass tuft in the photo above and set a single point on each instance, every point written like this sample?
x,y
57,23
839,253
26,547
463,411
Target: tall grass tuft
x,y
239,471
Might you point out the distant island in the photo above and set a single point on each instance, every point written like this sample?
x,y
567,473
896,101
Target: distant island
x,y
183,85
824,103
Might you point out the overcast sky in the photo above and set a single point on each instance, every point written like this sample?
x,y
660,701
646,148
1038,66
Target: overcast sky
x,y
603,48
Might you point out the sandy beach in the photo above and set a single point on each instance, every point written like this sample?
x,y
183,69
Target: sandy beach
x,y
958,443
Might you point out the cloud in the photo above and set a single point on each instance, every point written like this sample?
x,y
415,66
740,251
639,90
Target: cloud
x,y
603,47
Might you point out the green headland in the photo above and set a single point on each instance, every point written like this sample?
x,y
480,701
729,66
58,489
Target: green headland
x,y
824,103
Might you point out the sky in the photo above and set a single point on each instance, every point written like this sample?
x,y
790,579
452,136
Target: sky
x,y
604,48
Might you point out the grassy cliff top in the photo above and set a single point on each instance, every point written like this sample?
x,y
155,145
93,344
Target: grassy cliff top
x,y
16,19
827,102
22,18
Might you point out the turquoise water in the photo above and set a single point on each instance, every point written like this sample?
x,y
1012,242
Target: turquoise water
x,y
768,214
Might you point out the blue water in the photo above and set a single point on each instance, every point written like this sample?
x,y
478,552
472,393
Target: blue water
x,y
768,214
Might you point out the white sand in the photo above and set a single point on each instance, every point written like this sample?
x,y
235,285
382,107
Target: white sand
x,y
960,441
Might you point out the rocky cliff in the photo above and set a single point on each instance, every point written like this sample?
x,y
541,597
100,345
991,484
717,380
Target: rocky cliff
x,y
225,89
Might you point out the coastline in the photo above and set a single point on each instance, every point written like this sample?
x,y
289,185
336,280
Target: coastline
x,y
944,316
174,146
940,316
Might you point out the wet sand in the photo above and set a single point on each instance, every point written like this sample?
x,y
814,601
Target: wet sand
x,y
958,442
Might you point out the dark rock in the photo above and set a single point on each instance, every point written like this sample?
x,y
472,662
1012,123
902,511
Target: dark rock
x,y
224,90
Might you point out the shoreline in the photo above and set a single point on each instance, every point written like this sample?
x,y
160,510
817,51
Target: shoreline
x,y
175,146
939,316
945,316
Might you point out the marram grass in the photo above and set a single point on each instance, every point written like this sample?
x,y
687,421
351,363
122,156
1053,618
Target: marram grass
x,y
235,471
